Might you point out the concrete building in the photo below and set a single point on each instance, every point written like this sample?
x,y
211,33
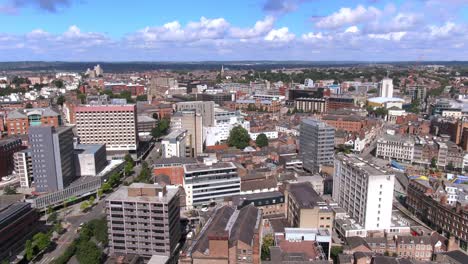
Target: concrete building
x,y
112,125
193,123
175,144
19,121
205,109
52,157
386,88
143,219
317,144
8,147
208,182
315,105
23,168
90,159
272,204
364,191
395,147
225,120
230,236
305,208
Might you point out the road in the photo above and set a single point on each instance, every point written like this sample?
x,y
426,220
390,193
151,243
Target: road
x,y
67,238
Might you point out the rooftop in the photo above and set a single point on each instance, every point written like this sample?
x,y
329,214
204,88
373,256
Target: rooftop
x,y
305,195
361,164
122,194
208,167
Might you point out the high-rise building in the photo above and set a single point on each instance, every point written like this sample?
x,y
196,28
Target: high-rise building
x,y
98,70
317,144
23,168
143,219
159,85
386,88
8,147
208,182
52,157
364,190
193,123
205,109
113,125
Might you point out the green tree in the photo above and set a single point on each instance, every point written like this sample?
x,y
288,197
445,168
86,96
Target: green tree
x,y
82,98
60,100
41,240
128,158
106,187
100,192
29,250
261,140
450,166
268,241
334,252
351,89
84,206
251,107
88,253
99,227
58,83
9,190
28,106
433,162
142,97
372,91
238,137
145,174
161,129
91,200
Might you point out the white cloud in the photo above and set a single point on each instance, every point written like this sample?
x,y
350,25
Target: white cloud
x,y
352,29
280,35
442,31
312,36
395,36
347,16
260,28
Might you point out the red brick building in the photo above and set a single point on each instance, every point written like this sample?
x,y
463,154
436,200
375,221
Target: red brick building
x,y
19,121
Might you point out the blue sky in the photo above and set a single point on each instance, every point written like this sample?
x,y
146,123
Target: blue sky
x,y
120,30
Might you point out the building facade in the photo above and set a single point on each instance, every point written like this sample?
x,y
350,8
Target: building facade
x,y
317,144
7,149
175,144
19,121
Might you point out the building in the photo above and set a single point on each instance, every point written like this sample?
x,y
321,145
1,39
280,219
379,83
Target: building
x,y
23,168
348,123
315,105
230,236
143,219
205,109
173,168
272,204
17,220
395,147
146,124
364,191
208,182
52,157
417,92
175,144
8,147
317,144
225,120
159,86
90,159
452,257
336,103
386,88
193,124
18,121
305,208
431,202
112,125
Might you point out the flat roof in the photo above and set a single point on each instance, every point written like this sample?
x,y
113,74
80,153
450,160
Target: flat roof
x,y
121,194
361,164
88,148
305,195
205,167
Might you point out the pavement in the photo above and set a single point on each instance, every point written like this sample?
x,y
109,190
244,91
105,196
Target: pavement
x,y
96,212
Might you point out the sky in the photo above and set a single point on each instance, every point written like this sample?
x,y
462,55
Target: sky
x,y
219,30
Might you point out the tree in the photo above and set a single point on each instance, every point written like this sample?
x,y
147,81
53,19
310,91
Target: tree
x,y
82,98
351,89
84,206
433,162
145,174
9,190
88,253
450,166
28,106
60,100
91,200
100,192
334,252
261,140
41,241
99,227
142,97
128,158
106,187
268,241
161,129
238,137
58,83
372,91
29,250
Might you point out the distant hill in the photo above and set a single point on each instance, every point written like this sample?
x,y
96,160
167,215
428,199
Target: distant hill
x,y
117,67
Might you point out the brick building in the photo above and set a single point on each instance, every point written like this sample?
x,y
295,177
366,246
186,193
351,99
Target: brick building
x,y
19,121
8,147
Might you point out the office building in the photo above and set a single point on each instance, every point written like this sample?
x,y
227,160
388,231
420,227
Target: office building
x,y
364,191
112,125
143,219
313,105
225,120
90,159
395,147
193,123
23,168
8,147
305,208
19,121
317,144
209,182
386,88
230,236
52,157
175,144
205,109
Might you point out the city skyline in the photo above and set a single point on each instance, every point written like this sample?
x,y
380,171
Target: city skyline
x,y
366,30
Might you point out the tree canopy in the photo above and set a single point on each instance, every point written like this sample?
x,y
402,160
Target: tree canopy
x,y
238,137
261,140
161,129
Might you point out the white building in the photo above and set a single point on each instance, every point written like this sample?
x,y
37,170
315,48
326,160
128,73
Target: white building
x,y
225,120
175,144
309,83
268,134
386,88
364,191
395,147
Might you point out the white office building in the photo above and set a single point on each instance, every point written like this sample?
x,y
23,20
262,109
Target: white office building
x,y
386,88
364,191
225,120
395,147
175,144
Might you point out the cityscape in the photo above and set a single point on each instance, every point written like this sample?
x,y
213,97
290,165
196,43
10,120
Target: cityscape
x,y
269,131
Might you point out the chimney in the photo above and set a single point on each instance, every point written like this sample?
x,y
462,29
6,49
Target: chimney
x,y
452,244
